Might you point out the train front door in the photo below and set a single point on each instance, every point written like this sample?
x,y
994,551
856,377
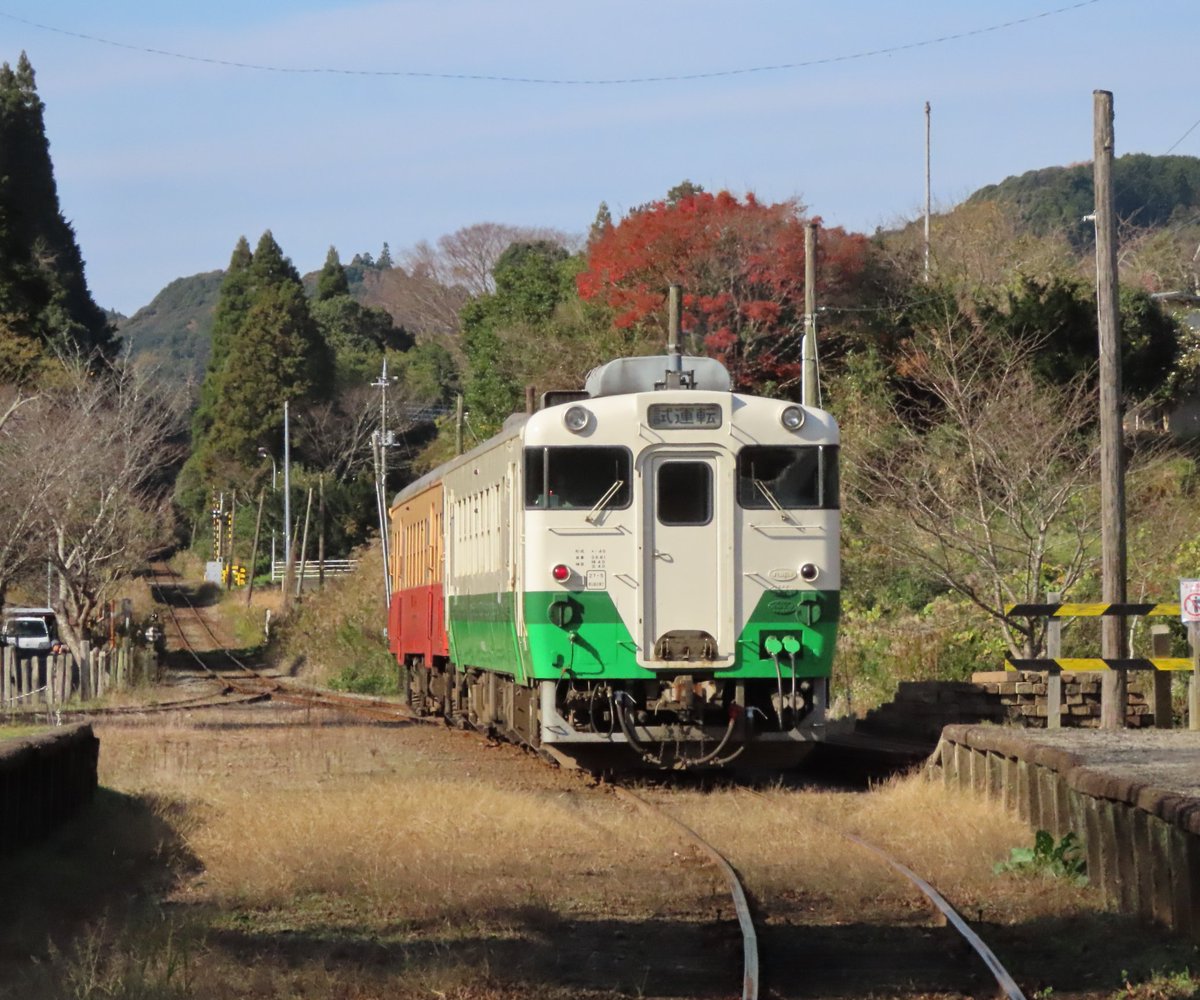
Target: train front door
x,y
682,597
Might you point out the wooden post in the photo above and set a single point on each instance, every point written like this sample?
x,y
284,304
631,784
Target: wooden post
x,y
304,545
459,418
1194,684
1112,472
1160,647
321,531
85,673
5,658
254,551
1054,677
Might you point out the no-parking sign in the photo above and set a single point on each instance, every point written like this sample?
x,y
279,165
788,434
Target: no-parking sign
x,y
1189,601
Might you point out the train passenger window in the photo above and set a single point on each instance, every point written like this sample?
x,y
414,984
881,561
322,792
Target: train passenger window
x,y
578,477
788,476
683,493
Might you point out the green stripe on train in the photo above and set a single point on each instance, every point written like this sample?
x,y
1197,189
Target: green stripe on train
x,y
582,633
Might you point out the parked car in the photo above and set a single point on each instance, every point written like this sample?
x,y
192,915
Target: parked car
x,y
32,631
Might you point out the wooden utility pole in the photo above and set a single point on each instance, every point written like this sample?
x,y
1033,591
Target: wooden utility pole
x,y
1112,459
254,549
459,418
809,389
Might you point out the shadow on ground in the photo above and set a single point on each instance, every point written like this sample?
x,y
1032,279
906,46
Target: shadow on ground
x,y
110,864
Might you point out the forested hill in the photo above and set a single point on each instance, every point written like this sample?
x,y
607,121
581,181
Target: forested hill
x,y
173,333
1150,191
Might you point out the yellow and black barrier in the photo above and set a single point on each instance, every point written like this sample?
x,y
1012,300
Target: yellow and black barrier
x,y
1090,610
1076,664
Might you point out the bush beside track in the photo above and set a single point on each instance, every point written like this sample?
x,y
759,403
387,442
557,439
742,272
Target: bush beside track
x,y
335,638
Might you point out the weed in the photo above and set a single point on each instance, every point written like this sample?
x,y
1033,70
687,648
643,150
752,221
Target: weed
x,y
1160,986
1063,859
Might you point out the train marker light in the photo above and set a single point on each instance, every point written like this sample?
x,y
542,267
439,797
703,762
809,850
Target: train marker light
x,y
576,419
792,418
809,572
561,573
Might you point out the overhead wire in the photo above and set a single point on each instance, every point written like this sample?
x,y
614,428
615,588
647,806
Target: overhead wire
x,y
553,81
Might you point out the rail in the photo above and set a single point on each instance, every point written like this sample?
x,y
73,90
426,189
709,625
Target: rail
x,y
750,977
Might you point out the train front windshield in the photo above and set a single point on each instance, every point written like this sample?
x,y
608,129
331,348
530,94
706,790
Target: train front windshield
x,y
574,477
800,477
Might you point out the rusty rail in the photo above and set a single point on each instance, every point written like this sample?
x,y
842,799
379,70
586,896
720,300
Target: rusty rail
x,y
750,977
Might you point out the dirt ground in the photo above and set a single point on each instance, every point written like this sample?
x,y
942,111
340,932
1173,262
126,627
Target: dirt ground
x,y
268,852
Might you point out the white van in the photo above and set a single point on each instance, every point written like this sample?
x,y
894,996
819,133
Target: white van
x,y
33,631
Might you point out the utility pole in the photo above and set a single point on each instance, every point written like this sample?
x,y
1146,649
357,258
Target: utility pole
x,y
458,424
810,387
1112,459
928,202
383,441
288,548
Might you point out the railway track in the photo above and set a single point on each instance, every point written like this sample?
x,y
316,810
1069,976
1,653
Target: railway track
x,y
244,684
240,683
752,978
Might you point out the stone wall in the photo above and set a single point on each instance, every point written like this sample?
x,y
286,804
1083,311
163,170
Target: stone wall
x,y
1023,695
44,780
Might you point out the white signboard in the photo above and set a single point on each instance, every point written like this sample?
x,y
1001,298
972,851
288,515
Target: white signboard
x,y
1189,601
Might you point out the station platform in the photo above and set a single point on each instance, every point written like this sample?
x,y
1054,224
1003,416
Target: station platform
x,y
1131,796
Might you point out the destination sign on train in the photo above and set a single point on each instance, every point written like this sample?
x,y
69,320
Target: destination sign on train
x,y
681,416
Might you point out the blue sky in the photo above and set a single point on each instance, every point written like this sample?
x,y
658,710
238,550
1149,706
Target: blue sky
x,y
162,163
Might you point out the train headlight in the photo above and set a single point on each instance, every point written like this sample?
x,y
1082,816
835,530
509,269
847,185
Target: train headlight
x,y
576,419
792,418
809,572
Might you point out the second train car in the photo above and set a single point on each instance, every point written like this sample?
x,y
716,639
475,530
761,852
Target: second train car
x,y
648,573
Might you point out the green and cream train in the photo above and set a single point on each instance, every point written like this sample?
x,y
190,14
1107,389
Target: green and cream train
x,y
646,572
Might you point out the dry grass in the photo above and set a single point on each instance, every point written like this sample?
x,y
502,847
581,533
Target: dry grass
x,y
312,858
347,815
787,844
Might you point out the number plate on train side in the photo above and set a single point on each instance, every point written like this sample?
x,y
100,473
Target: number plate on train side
x,y
683,416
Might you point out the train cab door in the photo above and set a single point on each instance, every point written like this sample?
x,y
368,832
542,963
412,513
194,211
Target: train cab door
x,y
684,592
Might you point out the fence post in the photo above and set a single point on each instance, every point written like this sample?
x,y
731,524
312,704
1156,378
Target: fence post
x,y
1160,647
1054,677
5,660
1194,682
85,671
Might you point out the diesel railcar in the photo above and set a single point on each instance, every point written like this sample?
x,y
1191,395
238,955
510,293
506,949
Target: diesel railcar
x,y
646,573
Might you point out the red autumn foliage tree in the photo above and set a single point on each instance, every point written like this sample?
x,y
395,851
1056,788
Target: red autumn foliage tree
x,y
741,266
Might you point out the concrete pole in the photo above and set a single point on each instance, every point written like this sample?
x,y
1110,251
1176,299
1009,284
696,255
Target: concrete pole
x,y
1112,471
288,547
810,389
928,199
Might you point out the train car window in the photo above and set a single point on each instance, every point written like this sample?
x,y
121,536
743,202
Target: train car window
x,y
683,493
577,477
795,478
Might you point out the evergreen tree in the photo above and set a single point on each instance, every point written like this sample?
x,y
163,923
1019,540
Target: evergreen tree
x,y
332,280
266,348
532,279
384,263
236,296
44,299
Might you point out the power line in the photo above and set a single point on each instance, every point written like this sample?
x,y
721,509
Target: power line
x,y
1184,136
482,77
